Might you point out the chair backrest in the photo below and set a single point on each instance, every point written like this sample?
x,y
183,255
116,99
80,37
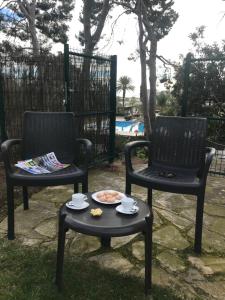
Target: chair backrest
x,y
45,132
179,142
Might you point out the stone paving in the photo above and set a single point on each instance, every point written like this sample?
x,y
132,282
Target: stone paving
x,y
175,265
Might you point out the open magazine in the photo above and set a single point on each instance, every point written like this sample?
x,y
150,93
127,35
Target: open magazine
x,y
44,164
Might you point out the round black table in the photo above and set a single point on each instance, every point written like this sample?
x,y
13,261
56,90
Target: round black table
x,y
110,224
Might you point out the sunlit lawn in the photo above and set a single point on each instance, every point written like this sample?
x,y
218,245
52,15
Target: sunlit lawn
x,y
28,274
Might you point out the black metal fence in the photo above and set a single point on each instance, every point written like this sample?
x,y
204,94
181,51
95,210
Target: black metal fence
x,y
72,82
91,95
29,83
204,95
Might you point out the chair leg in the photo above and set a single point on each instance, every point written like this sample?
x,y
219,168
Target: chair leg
x,y
85,185
60,252
25,198
10,203
76,188
148,255
150,197
199,222
128,187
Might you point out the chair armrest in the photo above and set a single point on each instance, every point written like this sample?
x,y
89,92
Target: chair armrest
x,y
210,152
127,151
6,147
88,147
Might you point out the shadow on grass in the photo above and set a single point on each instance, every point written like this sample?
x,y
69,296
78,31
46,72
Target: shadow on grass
x,y
29,274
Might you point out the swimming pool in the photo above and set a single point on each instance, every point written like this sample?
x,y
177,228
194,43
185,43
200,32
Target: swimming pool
x,y
130,127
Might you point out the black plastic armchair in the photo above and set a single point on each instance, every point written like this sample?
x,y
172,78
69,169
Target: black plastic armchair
x,y
45,132
179,162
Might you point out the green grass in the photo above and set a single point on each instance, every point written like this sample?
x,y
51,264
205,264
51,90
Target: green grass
x,y
29,274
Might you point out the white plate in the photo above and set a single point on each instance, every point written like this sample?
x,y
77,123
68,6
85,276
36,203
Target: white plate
x,y
120,209
94,196
85,205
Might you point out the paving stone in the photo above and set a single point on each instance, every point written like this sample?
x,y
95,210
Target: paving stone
x,y
117,242
170,237
189,214
29,242
54,196
171,261
83,244
215,195
193,275
217,264
214,290
27,220
114,261
138,250
157,222
173,202
200,265
52,245
217,224
37,227
47,228
174,218
161,278
211,241
215,210
57,188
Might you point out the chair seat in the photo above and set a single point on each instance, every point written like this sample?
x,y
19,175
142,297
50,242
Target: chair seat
x,y
68,175
183,181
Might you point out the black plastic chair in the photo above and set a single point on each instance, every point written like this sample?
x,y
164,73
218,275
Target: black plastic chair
x,y
45,132
178,162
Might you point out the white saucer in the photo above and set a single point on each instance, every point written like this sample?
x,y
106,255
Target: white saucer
x,y
120,209
83,206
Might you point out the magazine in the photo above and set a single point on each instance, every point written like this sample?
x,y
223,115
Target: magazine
x,y
44,164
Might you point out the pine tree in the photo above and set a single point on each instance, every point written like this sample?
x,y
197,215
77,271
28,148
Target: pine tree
x,y
35,22
93,17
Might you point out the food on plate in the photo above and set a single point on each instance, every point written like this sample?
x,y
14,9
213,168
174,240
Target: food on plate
x,y
109,196
96,212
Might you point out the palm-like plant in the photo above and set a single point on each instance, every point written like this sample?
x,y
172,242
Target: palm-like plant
x,y
124,84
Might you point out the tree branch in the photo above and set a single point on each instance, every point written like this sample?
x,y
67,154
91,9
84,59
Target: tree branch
x,y
102,18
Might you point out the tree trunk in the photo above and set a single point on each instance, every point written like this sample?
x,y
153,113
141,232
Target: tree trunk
x,y
143,90
28,9
152,79
34,39
124,94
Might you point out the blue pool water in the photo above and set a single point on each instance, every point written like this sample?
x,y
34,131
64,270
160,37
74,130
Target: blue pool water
x,y
124,123
130,126
141,127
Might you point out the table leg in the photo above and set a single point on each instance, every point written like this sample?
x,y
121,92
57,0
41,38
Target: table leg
x,y
60,252
106,241
148,255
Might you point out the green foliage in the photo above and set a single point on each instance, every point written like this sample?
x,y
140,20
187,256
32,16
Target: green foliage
x,y
161,16
94,8
50,20
93,17
142,153
206,86
124,84
28,273
166,103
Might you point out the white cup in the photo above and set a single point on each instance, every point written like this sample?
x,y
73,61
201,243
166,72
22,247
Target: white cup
x,y
78,199
128,204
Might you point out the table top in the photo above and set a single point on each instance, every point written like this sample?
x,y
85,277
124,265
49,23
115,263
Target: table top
x,y
110,223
